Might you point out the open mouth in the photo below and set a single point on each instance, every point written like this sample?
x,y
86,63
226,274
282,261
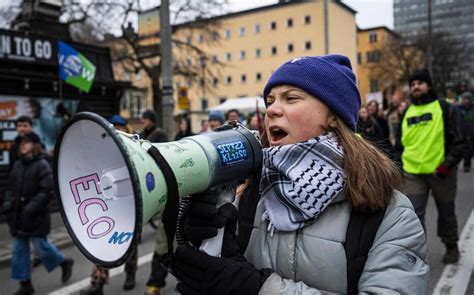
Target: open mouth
x,y
277,134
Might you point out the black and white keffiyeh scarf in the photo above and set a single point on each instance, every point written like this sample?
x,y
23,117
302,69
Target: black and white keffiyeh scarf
x,y
300,180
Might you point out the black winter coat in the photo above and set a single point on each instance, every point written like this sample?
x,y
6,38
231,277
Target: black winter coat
x,y
154,134
30,188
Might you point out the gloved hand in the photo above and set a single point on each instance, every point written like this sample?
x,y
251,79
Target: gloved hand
x,y
200,273
442,171
203,218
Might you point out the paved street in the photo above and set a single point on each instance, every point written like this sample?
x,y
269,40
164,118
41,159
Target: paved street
x,y
50,283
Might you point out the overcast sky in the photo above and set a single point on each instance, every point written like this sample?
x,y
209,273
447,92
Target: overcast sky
x,y
370,13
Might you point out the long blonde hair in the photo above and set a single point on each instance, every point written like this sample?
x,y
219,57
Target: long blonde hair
x,y
371,175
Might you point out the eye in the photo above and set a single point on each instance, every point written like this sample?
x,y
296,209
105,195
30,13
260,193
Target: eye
x,y
270,101
292,98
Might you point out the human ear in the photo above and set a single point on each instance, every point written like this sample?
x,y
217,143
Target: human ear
x,y
332,122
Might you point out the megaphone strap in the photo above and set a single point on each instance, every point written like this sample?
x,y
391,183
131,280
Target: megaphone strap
x,y
170,213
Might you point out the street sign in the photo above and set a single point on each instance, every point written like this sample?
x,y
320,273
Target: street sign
x,y
183,100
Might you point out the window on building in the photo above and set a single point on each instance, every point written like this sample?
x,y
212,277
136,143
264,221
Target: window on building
x,y
242,54
243,78
373,56
222,99
307,19
273,26
228,56
258,52
229,79
189,62
256,29
273,50
258,77
204,104
374,86
377,55
214,59
201,38
289,23
189,40
373,37
227,33
134,101
359,58
215,81
215,36
290,47
307,45
242,31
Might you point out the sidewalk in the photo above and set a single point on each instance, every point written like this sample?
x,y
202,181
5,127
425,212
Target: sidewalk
x,y
59,236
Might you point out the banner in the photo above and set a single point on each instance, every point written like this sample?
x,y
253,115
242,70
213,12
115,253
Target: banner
x,y
46,115
74,68
15,46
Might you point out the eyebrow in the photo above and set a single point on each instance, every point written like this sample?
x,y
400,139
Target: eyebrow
x,y
285,92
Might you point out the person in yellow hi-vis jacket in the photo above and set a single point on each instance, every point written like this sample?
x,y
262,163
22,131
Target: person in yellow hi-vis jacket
x,y
431,144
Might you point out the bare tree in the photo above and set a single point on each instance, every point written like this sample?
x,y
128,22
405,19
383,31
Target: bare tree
x,y
396,62
8,13
450,59
135,54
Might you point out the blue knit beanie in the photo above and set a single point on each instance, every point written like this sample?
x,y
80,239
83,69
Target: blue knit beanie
x,y
329,78
118,120
217,115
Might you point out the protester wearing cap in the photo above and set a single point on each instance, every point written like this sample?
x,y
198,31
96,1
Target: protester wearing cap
x,y
158,273
431,145
26,198
120,123
318,178
151,131
467,113
216,119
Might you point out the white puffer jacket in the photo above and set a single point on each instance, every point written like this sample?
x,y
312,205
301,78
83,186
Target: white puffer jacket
x,y
312,260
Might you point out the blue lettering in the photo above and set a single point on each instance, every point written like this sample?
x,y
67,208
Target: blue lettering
x,y
121,238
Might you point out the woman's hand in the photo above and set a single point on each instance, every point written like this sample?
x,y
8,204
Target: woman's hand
x,y
200,273
203,218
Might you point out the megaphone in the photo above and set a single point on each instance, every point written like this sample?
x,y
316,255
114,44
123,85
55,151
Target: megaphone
x,y
109,184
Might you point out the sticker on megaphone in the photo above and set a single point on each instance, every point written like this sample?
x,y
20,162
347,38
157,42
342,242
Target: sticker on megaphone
x,y
109,185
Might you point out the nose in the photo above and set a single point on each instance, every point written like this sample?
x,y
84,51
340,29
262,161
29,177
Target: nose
x,y
274,109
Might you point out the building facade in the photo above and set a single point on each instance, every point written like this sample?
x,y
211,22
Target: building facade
x,y
451,17
244,48
370,45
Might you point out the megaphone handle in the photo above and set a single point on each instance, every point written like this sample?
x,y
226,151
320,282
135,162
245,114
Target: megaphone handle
x,y
213,246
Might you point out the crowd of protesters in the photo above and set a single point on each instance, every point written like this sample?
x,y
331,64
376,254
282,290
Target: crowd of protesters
x,y
411,147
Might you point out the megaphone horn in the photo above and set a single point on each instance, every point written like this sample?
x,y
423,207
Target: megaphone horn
x,y
109,184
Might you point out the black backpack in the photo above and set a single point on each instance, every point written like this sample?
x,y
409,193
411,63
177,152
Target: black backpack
x,y
360,236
